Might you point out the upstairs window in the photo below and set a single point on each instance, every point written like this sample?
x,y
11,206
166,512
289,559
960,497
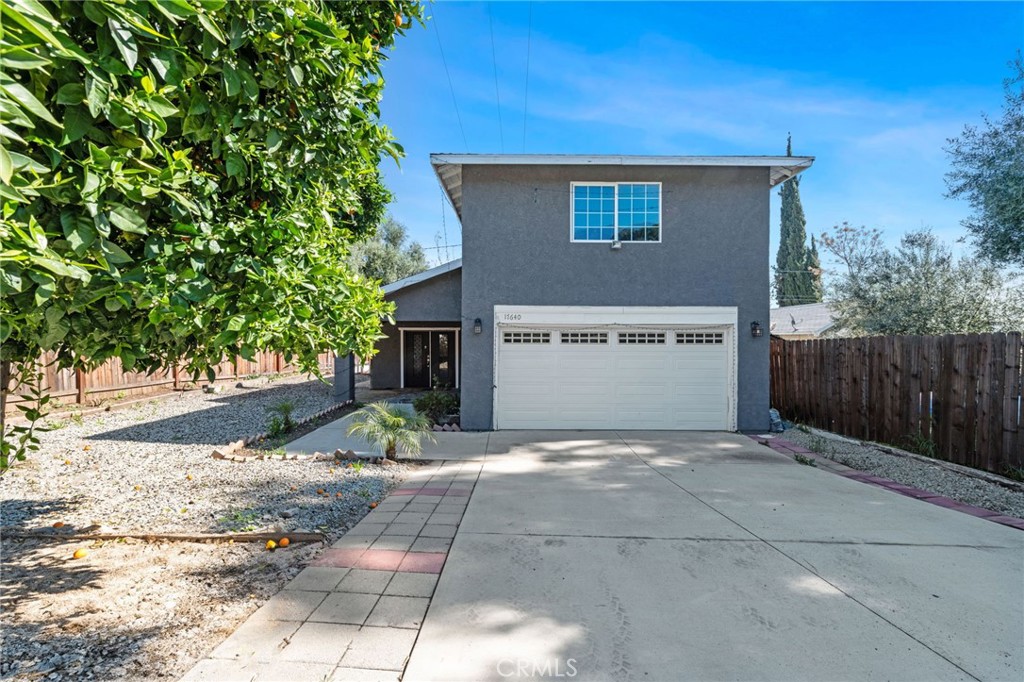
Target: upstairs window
x,y
627,212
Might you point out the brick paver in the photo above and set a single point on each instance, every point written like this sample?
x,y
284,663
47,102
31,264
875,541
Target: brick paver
x,y
354,613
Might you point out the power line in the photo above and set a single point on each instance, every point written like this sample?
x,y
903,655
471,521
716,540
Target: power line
x,y
451,87
526,92
497,92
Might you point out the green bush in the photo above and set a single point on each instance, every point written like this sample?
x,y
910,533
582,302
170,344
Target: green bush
x,y
437,404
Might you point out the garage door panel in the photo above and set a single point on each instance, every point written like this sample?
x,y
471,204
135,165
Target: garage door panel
x,y
614,385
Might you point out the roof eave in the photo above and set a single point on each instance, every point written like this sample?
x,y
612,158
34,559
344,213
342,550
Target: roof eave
x,y
448,167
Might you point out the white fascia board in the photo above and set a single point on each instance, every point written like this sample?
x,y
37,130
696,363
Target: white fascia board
x,y
563,316
615,160
422,276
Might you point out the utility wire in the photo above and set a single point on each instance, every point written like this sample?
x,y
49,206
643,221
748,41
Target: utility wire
x,y
526,92
497,92
451,87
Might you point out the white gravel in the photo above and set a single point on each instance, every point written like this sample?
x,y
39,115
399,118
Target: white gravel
x,y
913,472
140,610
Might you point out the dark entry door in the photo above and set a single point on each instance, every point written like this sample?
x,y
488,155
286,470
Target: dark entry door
x,y
417,359
442,358
429,359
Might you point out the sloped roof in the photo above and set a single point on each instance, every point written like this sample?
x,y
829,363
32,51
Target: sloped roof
x,y
449,166
808,319
422,276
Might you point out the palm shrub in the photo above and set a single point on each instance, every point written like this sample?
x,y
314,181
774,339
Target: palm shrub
x,y
389,428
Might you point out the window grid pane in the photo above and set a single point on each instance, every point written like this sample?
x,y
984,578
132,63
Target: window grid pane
x,y
593,213
585,337
642,338
527,337
639,210
700,338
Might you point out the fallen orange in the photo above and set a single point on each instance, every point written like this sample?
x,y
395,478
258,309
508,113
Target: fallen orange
x,y
271,545
80,553
67,461
59,524
87,447
373,505
319,491
283,543
189,477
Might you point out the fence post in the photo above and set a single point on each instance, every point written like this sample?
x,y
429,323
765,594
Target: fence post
x,y
174,375
80,384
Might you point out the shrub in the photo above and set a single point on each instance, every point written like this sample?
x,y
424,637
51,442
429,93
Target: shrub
x,y
389,428
437,404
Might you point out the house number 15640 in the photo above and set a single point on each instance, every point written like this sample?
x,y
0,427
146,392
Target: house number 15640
x,y
511,316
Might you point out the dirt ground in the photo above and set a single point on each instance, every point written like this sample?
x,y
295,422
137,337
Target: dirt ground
x,y
130,609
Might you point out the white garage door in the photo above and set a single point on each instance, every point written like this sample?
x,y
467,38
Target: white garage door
x,y
614,378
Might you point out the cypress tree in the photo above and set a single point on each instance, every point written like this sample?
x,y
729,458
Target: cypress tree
x,y
794,281
814,266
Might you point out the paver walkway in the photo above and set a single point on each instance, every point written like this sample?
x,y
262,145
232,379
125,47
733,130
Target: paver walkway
x,y
354,614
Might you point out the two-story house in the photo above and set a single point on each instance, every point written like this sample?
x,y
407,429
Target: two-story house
x,y
596,292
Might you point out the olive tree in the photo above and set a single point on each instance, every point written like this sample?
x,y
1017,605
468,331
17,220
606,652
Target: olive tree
x,y
182,180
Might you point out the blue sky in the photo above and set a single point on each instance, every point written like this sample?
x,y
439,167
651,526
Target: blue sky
x,y
873,90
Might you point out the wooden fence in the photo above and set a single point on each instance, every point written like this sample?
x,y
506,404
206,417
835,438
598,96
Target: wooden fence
x,y
961,393
110,381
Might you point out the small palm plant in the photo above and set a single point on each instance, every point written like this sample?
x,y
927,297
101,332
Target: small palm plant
x,y
389,428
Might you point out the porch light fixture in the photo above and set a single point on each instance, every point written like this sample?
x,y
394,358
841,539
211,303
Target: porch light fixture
x,y
755,329
478,326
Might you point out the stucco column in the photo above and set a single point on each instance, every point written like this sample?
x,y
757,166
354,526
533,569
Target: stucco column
x,y
344,378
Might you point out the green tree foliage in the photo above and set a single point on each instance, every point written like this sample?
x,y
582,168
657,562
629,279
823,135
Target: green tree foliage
x,y
797,276
386,257
182,179
918,288
988,170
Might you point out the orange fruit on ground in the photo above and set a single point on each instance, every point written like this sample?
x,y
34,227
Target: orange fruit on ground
x,y
87,447
337,494
284,542
373,505
294,488
80,553
59,524
189,477
319,491
67,461
138,487
271,545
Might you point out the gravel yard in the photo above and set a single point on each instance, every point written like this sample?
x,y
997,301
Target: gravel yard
x,y
913,472
136,609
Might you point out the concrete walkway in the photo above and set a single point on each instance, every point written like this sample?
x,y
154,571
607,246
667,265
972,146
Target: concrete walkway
x,y
645,556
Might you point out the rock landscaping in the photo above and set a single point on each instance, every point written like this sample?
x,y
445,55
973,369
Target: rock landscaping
x,y
938,477
131,608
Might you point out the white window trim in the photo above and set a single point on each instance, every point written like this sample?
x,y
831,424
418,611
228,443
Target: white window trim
x,y
585,183
401,349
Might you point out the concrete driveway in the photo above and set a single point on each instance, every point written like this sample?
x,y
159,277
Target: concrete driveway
x,y
697,556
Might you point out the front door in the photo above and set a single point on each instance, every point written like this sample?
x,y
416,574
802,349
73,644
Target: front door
x,y
429,358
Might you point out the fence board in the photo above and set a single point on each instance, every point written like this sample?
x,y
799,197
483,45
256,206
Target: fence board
x,y
960,392
81,387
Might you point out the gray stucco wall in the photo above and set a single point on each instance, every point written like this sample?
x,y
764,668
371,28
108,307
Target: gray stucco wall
x,y
433,303
714,252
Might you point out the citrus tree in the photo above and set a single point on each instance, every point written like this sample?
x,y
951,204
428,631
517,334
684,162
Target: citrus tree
x,y
181,180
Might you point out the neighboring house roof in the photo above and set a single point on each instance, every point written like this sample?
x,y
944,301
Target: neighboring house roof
x,y
449,166
422,276
811,319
